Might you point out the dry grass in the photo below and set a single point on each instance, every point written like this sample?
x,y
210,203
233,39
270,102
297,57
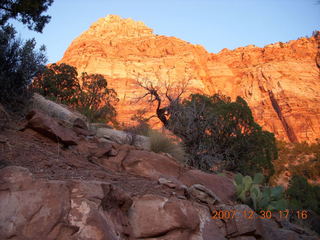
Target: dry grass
x,y
161,143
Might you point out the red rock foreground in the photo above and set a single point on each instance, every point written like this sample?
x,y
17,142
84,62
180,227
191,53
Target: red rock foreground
x,y
90,188
280,82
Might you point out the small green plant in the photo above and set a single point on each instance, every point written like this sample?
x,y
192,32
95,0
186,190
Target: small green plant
x,y
250,191
273,199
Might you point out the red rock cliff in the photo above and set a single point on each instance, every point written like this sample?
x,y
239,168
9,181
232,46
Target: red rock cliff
x,y
280,82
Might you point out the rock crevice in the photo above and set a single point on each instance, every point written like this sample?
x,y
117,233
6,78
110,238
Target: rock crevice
x,y
290,133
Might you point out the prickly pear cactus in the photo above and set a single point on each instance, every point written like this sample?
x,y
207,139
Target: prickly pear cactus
x,y
273,199
249,192
258,178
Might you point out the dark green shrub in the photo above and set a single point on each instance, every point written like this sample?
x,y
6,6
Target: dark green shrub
x,y
29,12
303,195
216,132
96,100
88,94
214,129
58,83
20,62
301,159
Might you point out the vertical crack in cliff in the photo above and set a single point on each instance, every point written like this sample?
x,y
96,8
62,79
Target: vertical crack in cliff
x,y
317,37
289,131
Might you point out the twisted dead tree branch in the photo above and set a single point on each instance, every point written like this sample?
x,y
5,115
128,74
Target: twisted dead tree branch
x,y
165,95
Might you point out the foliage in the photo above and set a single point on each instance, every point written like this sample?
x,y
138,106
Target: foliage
x,y
250,192
58,83
316,33
247,188
161,143
299,159
273,198
303,195
309,170
215,129
20,62
88,94
29,12
96,99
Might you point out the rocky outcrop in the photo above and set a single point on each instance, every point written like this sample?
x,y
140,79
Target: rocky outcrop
x,y
50,128
33,208
158,217
105,190
57,111
280,81
121,137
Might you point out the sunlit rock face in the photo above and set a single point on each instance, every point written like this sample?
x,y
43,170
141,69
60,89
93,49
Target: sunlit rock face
x,y
280,82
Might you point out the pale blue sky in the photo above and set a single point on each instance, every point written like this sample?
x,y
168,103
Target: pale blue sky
x,y
215,24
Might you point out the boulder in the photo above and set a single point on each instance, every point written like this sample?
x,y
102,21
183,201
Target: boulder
x,y
50,128
101,150
203,194
158,217
211,231
151,165
117,156
83,132
156,166
114,135
57,111
221,186
248,225
166,182
88,215
81,128
32,209
244,221
60,210
269,230
121,137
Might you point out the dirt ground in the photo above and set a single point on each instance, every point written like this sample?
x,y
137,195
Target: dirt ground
x,y
50,160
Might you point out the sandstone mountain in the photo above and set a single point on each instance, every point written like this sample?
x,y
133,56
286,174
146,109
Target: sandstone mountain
x,y
280,82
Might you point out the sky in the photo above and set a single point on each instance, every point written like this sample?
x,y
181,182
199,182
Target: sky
x,y
214,24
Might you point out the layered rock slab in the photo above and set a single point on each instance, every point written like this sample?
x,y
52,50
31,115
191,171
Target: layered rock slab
x,y
33,208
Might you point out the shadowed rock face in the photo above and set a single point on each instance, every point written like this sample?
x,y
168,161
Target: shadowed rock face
x,y
280,82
